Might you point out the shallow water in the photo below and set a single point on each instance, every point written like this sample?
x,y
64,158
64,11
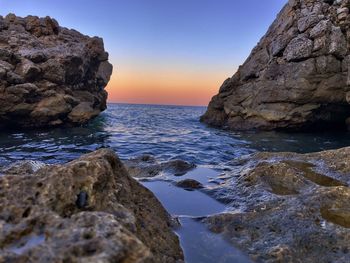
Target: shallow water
x,y
202,246
166,132
181,202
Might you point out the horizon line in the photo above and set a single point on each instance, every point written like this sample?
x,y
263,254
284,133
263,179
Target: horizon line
x,y
154,104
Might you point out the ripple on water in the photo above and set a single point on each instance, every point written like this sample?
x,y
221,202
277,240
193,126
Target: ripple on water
x,y
167,132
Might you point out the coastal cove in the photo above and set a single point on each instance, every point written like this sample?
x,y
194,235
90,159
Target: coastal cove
x,y
167,133
260,174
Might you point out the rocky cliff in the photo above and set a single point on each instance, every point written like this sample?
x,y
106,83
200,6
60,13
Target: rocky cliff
x,y
297,77
49,75
89,210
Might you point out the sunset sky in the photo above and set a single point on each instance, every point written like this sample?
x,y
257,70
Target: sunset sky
x,y
164,51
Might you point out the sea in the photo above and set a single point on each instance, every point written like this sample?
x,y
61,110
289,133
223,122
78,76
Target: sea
x,y
167,133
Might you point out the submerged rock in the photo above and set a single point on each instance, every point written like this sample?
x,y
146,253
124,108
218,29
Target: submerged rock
x,y
288,207
50,75
88,210
147,166
189,184
297,77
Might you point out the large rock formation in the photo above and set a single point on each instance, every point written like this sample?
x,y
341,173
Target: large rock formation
x,y
297,77
49,75
89,210
288,207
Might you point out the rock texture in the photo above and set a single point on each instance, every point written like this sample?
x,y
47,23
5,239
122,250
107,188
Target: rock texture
x,y
297,77
49,75
288,207
89,210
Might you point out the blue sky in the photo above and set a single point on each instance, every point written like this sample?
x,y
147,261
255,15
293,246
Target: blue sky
x,y
192,35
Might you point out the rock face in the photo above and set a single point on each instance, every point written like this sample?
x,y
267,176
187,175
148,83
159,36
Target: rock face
x,y
288,207
49,75
297,77
89,210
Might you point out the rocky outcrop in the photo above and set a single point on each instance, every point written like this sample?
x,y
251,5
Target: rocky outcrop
x,y
49,75
288,207
297,77
89,210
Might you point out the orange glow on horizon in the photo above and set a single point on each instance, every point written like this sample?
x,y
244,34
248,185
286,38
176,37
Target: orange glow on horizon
x,y
169,87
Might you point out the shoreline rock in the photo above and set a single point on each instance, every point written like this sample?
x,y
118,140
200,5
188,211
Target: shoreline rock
x,y
296,78
287,207
50,75
87,210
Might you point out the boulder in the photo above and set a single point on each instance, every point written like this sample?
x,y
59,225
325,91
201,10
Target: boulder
x,y
68,69
297,76
88,210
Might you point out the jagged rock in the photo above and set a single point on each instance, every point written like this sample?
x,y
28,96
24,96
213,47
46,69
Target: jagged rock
x,y
296,77
88,210
68,70
288,207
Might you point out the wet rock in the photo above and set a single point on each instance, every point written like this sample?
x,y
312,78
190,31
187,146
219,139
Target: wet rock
x,y
143,166
88,210
189,184
287,207
177,167
147,166
280,85
61,63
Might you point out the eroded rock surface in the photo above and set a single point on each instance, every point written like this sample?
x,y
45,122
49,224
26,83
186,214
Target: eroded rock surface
x,y
288,207
49,75
297,77
89,210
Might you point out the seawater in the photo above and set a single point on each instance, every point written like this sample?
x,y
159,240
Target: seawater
x,y
167,133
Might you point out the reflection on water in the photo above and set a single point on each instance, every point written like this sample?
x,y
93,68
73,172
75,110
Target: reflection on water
x,y
202,246
198,243
179,201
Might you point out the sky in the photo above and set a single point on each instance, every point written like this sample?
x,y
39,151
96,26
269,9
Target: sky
x,y
163,51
